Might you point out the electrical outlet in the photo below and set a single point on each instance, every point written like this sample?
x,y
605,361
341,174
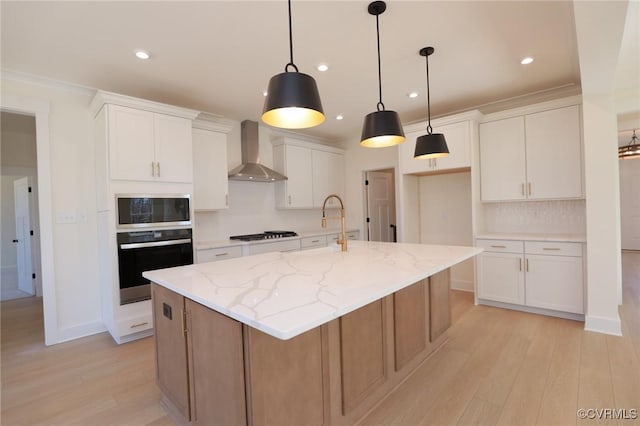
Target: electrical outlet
x,y
66,217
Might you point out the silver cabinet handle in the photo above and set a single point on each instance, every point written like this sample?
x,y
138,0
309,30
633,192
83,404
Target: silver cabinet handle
x,y
520,267
498,246
527,265
155,244
140,324
222,254
529,188
551,248
315,241
158,163
153,168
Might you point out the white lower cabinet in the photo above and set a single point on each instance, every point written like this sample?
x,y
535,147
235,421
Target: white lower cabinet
x,y
545,275
218,253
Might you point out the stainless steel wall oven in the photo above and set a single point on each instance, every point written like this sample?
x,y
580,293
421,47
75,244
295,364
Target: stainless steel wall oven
x,y
153,233
141,251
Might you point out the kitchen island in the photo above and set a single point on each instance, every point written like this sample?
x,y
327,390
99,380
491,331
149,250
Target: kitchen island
x,y
316,337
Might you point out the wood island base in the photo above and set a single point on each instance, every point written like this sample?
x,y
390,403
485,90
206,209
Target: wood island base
x,y
214,370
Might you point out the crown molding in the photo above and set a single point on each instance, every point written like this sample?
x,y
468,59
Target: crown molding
x,y
102,97
22,77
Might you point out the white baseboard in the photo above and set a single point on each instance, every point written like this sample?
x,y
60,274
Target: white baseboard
x,y
78,331
611,326
462,285
532,310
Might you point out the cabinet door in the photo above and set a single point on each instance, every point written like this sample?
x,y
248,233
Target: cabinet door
x,y
457,137
328,177
501,277
173,149
298,169
440,306
554,154
171,348
210,175
131,150
555,282
216,367
502,160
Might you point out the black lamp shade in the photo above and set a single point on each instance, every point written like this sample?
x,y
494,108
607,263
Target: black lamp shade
x,y
292,102
431,146
381,129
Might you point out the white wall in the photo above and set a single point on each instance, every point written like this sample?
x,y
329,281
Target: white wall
x,y
445,218
357,161
73,187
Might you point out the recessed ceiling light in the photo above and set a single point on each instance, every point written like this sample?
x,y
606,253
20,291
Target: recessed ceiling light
x,y
339,117
265,93
323,67
141,54
527,60
412,95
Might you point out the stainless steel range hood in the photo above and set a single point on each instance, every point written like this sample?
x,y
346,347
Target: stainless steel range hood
x,y
251,169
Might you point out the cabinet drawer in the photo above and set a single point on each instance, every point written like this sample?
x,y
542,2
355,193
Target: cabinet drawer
x,y
220,253
553,248
134,324
309,242
288,245
501,246
353,235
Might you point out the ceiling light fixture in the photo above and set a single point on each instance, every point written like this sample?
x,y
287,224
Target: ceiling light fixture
x,y
631,150
527,60
141,54
293,101
412,95
339,117
381,128
323,67
431,145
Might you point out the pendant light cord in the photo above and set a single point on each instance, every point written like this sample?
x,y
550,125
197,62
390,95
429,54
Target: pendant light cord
x,y
429,128
380,104
290,44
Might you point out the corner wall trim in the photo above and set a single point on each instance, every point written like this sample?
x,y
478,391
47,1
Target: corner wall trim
x,y
603,325
78,331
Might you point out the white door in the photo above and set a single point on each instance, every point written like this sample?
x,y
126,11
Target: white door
x,y
381,211
23,237
630,203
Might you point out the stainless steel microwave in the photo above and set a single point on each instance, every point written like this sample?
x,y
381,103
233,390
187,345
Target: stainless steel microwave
x,y
146,210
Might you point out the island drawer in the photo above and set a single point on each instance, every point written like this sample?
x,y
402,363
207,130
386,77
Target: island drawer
x,y
219,253
312,242
285,245
506,246
553,248
333,238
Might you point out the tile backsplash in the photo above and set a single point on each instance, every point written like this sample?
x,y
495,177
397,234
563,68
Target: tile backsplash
x,y
536,217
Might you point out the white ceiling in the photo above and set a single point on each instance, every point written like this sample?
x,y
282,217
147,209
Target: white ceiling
x,y
218,56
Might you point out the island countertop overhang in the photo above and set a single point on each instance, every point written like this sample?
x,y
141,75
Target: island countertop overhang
x,y
286,294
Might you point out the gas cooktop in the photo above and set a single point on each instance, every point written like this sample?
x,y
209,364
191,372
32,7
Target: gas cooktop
x,y
267,235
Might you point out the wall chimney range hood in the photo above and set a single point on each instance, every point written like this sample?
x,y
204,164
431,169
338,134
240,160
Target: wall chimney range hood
x,y
251,170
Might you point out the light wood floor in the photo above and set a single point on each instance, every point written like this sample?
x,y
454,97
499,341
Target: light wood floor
x,y
498,367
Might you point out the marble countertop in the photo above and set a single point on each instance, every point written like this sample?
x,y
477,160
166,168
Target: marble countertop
x,y
204,245
569,238
286,294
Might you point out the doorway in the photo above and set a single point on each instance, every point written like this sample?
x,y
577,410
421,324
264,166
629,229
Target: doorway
x,y
630,203
380,205
20,258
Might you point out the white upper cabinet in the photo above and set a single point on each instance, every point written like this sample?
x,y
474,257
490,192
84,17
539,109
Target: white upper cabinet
x,y
144,140
210,175
313,171
147,146
173,148
502,159
328,177
535,156
458,136
554,154
295,163
131,143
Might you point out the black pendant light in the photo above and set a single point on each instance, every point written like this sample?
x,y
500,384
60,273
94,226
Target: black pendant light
x,y
431,145
631,150
381,128
293,101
